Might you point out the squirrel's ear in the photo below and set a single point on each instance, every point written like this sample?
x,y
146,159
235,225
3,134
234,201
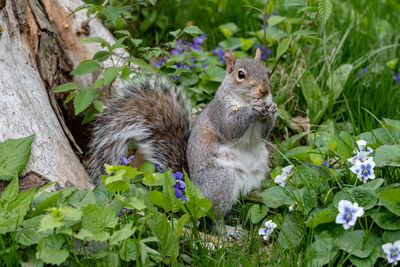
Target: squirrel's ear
x,y
230,60
258,54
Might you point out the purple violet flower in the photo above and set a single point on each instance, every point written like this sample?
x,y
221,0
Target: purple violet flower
x,y
396,77
159,63
324,163
219,52
159,168
178,175
125,161
175,77
125,210
199,39
315,166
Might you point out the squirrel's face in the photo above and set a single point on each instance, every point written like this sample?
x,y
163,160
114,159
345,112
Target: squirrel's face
x,y
248,76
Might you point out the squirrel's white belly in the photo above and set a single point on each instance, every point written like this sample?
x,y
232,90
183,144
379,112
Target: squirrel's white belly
x,y
248,158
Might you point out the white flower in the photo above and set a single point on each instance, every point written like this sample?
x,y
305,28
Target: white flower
x,y
266,232
292,207
392,251
362,147
348,213
283,178
364,169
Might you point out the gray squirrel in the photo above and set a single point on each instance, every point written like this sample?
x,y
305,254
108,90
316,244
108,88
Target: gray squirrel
x,y
224,152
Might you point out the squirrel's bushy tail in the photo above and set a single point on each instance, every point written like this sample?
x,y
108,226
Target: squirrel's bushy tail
x,y
153,112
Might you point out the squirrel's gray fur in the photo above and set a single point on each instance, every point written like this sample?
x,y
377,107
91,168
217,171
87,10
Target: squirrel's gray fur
x,y
225,152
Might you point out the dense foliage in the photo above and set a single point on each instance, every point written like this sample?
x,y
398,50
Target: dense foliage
x,y
334,193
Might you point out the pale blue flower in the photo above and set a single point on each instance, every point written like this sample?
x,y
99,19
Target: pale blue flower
x,y
267,231
392,251
364,169
283,178
348,213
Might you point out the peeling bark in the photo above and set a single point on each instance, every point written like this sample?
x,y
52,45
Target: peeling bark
x,y
39,46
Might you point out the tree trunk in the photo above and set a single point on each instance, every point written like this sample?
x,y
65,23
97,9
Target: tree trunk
x,y
39,46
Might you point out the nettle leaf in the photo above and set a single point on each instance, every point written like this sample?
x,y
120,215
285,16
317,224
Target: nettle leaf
x,y
175,33
283,47
101,56
83,99
14,155
322,251
132,202
390,198
192,30
65,87
82,198
257,213
356,243
49,250
290,234
387,155
325,9
11,191
95,220
110,73
94,39
85,67
169,241
172,203
323,216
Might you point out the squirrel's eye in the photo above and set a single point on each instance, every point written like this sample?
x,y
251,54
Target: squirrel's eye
x,y
241,75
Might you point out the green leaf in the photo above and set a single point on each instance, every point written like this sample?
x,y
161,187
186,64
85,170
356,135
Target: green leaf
x,y
390,236
82,198
136,42
192,30
247,43
373,184
175,33
338,79
122,234
28,237
94,40
283,47
228,29
231,43
215,73
390,198
290,234
317,102
49,250
356,243
257,213
11,191
387,136
385,219
322,251
387,155
273,20
392,124
275,197
324,9
85,67
169,197
300,153
95,220
132,202
189,78
14,155
127,251
98,105
169,242
83,99
141,63
323,216
90,115
101,56
369,261
365,197
65,87
110,73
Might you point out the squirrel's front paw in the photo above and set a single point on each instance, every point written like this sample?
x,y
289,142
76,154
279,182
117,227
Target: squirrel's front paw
x,y
272,108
